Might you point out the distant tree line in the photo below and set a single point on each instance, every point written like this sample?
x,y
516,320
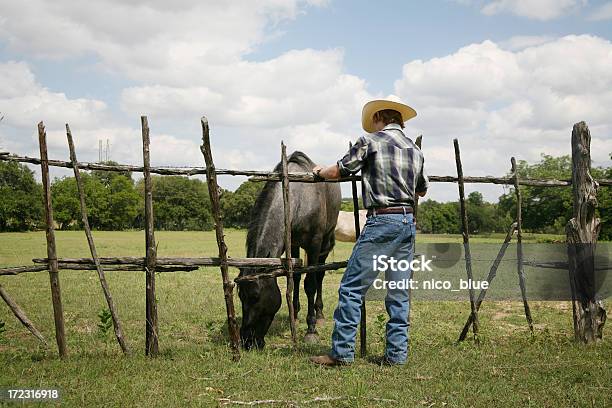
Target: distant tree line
x,y
544,209
115,202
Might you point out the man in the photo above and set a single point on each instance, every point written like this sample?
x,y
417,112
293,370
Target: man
x,y
392,173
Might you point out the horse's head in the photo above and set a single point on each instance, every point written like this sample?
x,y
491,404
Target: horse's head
x,y
260,300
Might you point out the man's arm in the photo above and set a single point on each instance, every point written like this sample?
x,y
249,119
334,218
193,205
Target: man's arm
x,y
352,162
328,172
422,181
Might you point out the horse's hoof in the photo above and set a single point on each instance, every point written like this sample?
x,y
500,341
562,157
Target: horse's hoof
x,y
320,321
311,338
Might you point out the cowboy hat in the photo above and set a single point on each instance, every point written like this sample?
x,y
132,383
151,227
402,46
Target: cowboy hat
x,y
370,108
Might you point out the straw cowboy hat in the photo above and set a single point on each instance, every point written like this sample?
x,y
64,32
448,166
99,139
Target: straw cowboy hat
x,y
370,108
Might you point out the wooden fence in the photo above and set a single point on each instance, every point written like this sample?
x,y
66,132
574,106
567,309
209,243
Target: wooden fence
x,y
273,267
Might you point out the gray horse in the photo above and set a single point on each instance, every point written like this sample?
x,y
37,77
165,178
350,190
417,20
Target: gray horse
x,y
314,212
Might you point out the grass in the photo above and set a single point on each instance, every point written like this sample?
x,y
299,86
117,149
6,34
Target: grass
x,y
509,368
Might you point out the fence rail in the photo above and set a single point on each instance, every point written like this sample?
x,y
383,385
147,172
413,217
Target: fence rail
x,y
262,175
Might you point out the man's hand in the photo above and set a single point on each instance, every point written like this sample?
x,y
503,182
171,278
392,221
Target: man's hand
x,y
316,171
329,172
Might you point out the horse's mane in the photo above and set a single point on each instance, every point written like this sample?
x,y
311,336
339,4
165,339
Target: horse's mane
x,y
258,213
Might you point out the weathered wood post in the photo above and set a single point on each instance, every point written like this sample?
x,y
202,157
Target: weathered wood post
x,y
519,243
466,239
490,277
228,285
151,339
92,245
56,297
589,313
363,324
287,237
418,142
21,316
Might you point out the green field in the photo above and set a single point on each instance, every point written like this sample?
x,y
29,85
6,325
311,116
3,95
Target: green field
x,y
509,368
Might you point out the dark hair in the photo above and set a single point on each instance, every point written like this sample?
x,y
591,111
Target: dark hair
x,y
389,116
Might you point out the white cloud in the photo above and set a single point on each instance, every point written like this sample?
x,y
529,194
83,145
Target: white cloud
x,y
520,42
501,103
474,74
147,41
24,102
186,60
603,12
296,88
535,9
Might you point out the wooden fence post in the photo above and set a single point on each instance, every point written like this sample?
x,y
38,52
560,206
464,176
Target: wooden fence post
x,y
21,316
151,340
289,266
466,240
418,142
92,245
490,277
228,285
363,323
56,297
582,231
519,244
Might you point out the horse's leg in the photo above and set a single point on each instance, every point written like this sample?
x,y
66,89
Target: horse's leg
x,y
295,253
327,245
310,285
320,318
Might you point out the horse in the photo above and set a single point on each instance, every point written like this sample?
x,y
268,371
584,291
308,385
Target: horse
x,y
314,212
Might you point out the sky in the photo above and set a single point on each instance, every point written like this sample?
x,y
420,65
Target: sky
x,y
505,77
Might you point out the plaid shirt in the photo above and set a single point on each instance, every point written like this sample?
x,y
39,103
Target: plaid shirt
x,y
391,167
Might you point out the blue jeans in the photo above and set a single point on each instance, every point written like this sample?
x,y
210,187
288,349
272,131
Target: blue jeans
x,y
386,234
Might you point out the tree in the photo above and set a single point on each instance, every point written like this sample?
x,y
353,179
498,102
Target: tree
x,y
20,198
117,202
347,204
547,209
438,218
604,200
484,216
179,203
238,205
111,199
65,199
444,218
122,205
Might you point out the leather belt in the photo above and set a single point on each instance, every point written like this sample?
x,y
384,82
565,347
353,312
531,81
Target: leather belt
x,y
390,210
